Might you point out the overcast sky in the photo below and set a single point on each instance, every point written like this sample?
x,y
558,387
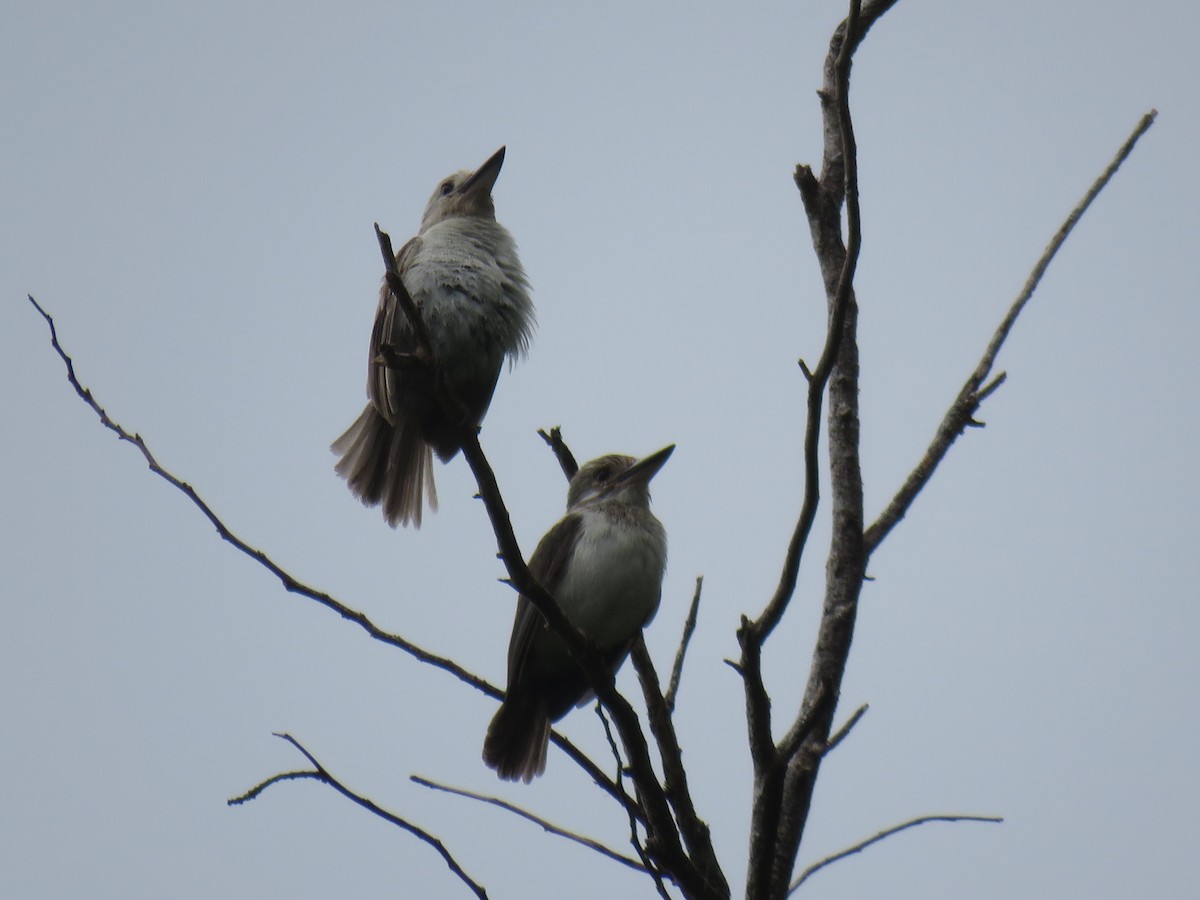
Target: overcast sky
x,y
189,189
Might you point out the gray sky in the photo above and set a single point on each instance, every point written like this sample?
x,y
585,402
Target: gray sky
x,y
190,189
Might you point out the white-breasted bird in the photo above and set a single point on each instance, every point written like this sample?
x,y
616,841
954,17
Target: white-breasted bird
x,y
464,277
604,563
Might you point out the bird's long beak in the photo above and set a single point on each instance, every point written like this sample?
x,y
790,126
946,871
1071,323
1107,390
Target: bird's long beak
x,y
645,469
484,178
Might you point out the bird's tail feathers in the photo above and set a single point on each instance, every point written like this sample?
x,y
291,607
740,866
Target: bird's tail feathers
x,y
388,464
517,739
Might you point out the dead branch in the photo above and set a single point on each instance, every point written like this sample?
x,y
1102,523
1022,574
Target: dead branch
x,y
547,826
694,830
961,413
784,774
566,459
689,628
876,838
320,773
293,584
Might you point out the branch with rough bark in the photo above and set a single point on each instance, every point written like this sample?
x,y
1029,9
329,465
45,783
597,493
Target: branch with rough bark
x,y
682,850
321,774
784,772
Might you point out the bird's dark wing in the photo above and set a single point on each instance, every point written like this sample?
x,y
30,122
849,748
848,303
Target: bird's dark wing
x,y
547,565
391,327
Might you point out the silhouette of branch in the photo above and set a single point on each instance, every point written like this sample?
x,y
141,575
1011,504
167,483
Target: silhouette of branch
x,y
694,830
634,840
876,838
396,286
289,581
689,628
537,820
320,773
274,779
566,459
961,413
841,733
785,773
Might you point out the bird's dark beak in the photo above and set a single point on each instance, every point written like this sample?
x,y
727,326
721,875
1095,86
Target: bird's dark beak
x,y
645,469
484,178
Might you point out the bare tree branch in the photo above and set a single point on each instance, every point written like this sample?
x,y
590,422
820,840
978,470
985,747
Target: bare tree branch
x,y
537,820
294,585
320,773
274,779
842,732
846,189
689,628
695,830
289,581
782,790
395,283
961,413
635,840
566,459
887,832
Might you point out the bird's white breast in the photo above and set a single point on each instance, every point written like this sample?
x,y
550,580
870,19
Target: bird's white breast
x,y
613,580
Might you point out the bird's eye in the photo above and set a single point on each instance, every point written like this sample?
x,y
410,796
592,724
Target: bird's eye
x,y
602,475
447,188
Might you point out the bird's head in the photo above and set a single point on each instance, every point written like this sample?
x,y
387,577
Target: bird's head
x,y
616,477
464,193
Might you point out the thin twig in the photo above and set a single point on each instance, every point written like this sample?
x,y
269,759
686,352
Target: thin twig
x,y
289,581
274,779
400,292
536,819
961,413
689,628
566,459
888,832
841,733
322,774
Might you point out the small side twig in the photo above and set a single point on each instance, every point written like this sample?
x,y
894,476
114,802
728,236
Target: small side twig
x,y
320,773
396,285
566,459
536,819
253,793
876,838
840,735
689,628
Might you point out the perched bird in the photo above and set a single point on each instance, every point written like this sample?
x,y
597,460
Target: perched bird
x,y
464,277
604,563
